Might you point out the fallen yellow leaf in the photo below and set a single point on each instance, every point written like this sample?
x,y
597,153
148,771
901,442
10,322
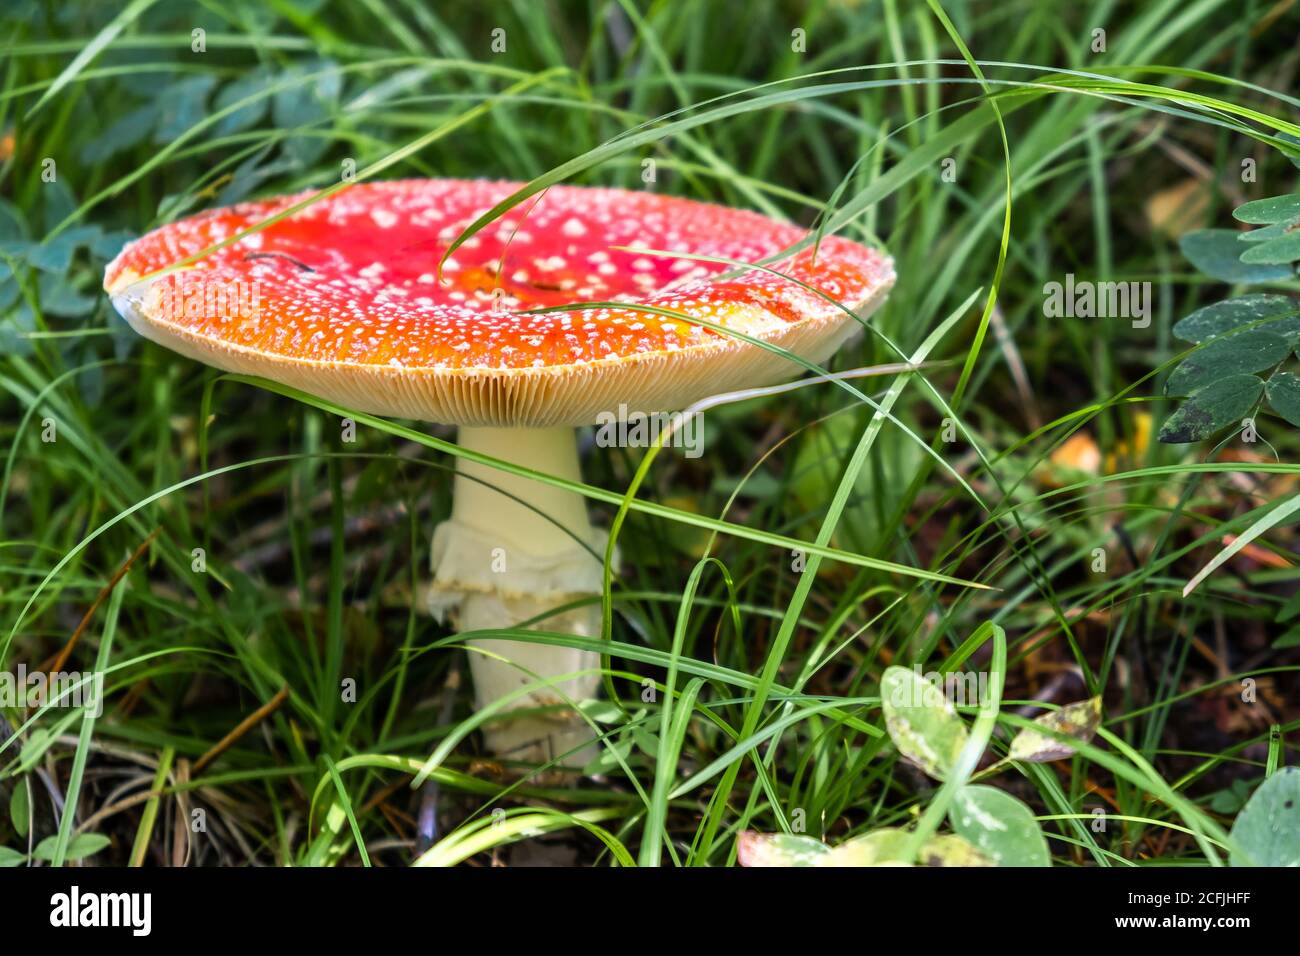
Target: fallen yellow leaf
x,y
1078,453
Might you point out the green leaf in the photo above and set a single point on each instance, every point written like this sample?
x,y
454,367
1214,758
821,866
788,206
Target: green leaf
x,y
10,857
1221,317
1267,211
1231,799
251,114
181,105
1211,409
109,244
92,49
921,721
999,826
13,341
55,255
306,105
778,849
948,849
607,760
58,203
59,297
19,807
877,848
1079,720
1250,351
1268,828
126,132
1292,606
13,224
34,747
1283,249
1270,232
1283,390
1290,639
250,175
1274,517
81,846
1216,252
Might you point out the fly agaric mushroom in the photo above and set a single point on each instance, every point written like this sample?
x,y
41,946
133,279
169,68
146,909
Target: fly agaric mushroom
x,y
343,299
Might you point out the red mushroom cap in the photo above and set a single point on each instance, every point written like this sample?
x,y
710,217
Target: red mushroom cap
x,y
342,299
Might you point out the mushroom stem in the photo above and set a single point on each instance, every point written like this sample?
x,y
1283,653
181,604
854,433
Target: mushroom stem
x,y
516,548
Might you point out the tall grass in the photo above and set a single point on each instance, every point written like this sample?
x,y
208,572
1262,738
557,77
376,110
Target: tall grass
x,y
766,713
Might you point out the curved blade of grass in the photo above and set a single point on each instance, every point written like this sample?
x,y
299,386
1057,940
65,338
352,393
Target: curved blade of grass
x,y
671,741
485,834
1274,517
785,353
87,731
346,803
731,758
144,831
600,494
974,351
980,732
589,491
780,643
672,728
